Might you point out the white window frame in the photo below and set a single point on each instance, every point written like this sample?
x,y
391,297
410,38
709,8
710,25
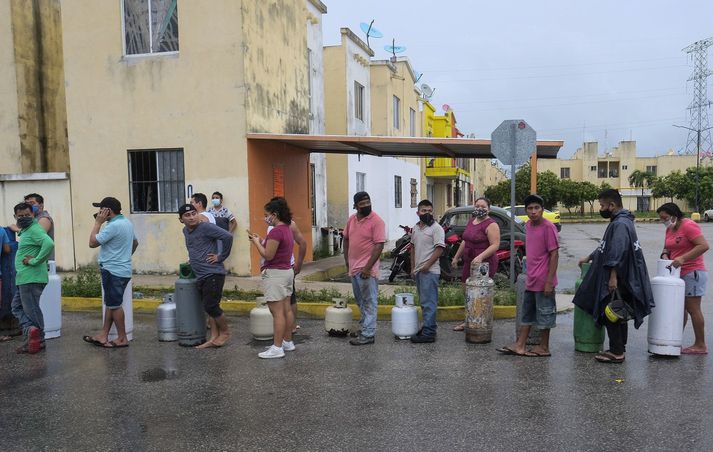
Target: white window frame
x,y
412,121
397,112
361,176
358,101
142,55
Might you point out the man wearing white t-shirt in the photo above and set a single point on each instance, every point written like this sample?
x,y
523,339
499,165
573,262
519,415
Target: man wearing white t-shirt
x,y
200,202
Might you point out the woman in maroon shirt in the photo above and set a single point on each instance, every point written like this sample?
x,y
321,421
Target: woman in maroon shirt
x,y
480,242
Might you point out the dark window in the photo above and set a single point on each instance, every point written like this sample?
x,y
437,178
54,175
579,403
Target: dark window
x,y
643,203
397,113
414,193
592,168
150,26
156,180
312,194
651,169
564,173
358,101
520,211
397,191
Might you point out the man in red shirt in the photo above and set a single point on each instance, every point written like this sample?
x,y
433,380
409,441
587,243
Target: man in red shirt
x,y
364,237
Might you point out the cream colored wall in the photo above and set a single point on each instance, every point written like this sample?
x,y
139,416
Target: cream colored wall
x,y
56,192
193,100
9,127
335,98
381,101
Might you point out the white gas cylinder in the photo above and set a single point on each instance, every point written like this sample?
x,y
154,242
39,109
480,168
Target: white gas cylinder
x,y
261,321
665,334
51,303
404,316
128,306
338,319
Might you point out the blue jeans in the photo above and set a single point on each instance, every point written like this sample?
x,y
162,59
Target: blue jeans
x,y
26,307
427,286
365,293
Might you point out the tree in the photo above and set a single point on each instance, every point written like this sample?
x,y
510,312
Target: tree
x,y
589,193
570,194
548,186
641,179
663,187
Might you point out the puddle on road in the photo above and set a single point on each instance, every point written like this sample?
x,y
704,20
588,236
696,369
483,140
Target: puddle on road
x,y
158,374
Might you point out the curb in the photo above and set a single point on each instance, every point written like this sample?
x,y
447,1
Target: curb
x,y
324,275
304,310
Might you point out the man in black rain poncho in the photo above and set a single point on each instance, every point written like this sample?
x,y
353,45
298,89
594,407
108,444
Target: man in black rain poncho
x,y
617,264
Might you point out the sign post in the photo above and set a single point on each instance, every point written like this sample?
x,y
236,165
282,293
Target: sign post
x,y
512,142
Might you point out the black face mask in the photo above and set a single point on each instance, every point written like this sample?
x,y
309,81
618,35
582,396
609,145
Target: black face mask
x,y
426,219
24,222
364,211
605,214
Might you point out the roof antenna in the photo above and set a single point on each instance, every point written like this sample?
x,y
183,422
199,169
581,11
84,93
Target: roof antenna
x,y
393,49
370,31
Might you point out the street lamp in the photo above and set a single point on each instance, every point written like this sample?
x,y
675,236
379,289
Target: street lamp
x,y
698,158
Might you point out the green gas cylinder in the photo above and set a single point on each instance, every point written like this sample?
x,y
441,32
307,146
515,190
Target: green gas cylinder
x,y
587,337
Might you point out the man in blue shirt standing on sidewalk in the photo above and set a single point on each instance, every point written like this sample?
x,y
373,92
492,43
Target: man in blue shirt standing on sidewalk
x,y
117,244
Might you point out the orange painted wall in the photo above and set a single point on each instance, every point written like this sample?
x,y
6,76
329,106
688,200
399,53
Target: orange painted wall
x,y
263,156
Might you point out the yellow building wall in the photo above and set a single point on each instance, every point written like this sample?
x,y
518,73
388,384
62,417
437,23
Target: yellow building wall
x,y
9,126
194,100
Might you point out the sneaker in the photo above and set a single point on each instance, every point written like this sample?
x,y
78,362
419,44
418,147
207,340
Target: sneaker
x,y
362,340
288,346
422,339
272,352
34,341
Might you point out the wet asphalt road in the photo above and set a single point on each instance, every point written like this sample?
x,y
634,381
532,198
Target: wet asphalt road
x,y
328,395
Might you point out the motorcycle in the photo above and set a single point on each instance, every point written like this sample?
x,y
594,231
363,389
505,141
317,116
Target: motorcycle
x,y
401,254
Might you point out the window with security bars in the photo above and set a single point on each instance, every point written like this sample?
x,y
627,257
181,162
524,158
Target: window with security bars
x,y
150,26
397,192
156,180
564,173
414,193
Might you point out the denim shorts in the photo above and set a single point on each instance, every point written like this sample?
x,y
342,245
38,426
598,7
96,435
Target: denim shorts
x,y
538,309
114,287
696,282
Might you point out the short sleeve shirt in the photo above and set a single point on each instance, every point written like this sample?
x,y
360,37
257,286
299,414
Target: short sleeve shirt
x,y
540,241
209,216
3,240
116,240
286,242
363,235
223,212
425,241
680,242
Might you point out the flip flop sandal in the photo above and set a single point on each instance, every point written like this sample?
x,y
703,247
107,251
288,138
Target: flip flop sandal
x,y
685,351
532,354
608,358
5,338
91,340
505,351
459,328
115,345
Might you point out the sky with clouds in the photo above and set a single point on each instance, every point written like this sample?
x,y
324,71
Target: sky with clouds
x,y
574,70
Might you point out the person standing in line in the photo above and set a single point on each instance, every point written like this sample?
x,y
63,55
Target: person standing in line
x,y
200,203
116,243
364,238
277,274
43,217
8,322
219,211
208,247
428,239
31,279
617,273
539,306
685,245
480,243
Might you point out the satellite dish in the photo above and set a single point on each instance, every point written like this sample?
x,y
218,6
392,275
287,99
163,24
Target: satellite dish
x,y
427,91
395,49
418,76
446,107
370,31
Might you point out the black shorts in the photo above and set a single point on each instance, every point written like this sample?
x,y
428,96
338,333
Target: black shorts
x,y
210,289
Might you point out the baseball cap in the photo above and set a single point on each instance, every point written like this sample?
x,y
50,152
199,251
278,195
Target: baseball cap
x,y
186,208
109,202
360,196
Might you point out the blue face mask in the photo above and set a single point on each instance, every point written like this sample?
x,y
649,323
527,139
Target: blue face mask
x,y
35,209
216,202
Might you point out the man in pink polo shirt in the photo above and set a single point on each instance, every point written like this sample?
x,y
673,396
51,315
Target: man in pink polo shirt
x,y
364,237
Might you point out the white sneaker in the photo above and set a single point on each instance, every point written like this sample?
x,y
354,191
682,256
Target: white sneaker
x,y
288,346
272,352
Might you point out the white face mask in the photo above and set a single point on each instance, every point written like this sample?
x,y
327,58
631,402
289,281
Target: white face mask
x,y
669,223
216,202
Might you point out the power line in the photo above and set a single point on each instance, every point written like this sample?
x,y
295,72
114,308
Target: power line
x,y
518,68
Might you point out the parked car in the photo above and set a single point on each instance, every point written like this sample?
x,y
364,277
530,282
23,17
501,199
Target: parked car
x,y
708,215
553,217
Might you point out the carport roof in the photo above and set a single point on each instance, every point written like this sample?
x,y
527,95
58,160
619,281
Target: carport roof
x,y
399,146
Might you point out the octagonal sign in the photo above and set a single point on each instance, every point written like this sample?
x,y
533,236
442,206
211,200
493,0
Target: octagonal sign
x,y
513,142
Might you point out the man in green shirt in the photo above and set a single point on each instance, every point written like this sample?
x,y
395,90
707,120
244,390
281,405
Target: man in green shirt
x,y
32,276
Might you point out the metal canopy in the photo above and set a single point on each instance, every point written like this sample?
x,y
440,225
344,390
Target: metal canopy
x,y
399,146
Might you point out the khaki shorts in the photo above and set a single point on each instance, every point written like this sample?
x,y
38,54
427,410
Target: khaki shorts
x,y
277,284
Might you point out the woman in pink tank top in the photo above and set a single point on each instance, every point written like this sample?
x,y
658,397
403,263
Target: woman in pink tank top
x,y
480,242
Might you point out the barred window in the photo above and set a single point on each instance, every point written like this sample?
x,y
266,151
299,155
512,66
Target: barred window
x,y
156,180
414,193
397,192
150,26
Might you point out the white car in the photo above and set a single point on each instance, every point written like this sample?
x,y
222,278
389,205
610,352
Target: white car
x,y
708,215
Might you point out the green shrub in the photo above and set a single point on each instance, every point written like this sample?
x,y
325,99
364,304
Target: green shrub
x,y
87,283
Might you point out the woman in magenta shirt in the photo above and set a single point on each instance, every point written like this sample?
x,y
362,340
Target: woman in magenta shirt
x,y
685,245
277,274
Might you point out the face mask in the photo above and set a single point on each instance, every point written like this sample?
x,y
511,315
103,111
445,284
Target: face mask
x,y
605,214
480,212
364,211
216,202
24,222
669,223
426,219
35,209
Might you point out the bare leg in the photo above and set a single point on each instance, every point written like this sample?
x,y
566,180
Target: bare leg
x,y
223,330
278,321
119,319
519,345
293,308
289,319
693,308
213,334
103,336
544,347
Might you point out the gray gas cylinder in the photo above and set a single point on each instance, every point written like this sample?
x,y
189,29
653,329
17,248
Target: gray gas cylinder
x,y
166,320
190,316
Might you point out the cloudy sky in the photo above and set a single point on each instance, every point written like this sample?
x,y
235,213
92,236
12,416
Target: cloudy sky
x,y
606,70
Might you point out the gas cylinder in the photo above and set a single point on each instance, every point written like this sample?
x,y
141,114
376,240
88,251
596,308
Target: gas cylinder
x,y
127,304
51,303
666,319
261,321
534,337
587,337
479,295
338,318
404,316
166,320
190,316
